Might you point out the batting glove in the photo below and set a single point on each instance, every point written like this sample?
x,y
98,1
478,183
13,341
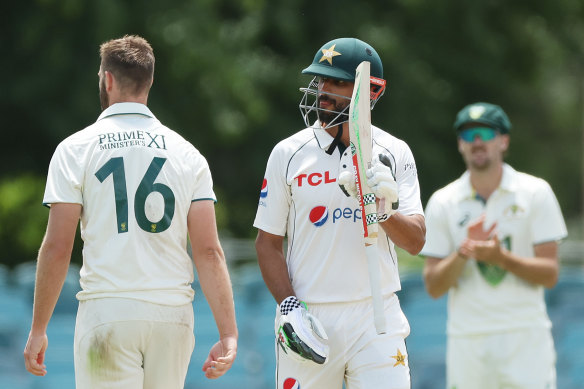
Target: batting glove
x,y
300,334
381,180
346,179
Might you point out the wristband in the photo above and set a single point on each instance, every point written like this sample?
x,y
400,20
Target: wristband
x,y
290,303
381,217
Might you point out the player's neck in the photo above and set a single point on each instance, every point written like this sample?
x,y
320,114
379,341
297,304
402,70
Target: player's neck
x,y
333,131
485,182
119,96
130,99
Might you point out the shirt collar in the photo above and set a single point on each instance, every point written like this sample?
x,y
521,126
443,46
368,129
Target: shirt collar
x,y
126,109
507,183
323,138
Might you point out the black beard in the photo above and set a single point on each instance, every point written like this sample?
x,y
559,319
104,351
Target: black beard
x,y
327,117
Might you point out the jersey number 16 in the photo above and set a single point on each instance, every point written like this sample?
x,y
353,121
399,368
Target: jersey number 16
x,y
115,167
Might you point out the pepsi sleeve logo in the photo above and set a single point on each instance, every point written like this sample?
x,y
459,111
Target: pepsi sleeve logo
x,y
264,191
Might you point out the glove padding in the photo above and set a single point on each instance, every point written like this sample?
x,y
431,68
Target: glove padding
x,y
381,180
300,334
346,178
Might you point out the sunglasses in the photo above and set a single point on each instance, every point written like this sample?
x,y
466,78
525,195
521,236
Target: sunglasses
x,y
485,133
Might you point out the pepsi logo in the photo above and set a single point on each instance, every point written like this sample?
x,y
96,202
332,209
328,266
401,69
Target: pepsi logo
x,y
264,191
319,215
291,383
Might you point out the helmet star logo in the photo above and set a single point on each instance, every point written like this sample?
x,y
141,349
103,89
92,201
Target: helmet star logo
x,y
400,358
328,54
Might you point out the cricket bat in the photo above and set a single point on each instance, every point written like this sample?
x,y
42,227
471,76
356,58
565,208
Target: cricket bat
x,y
361,145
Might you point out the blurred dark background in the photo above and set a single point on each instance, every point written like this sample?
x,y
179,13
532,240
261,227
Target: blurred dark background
x,y
227,78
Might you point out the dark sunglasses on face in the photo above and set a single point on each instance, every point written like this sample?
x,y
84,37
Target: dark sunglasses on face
x,y
485,133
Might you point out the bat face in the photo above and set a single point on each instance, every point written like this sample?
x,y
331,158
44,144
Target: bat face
x,y
361,145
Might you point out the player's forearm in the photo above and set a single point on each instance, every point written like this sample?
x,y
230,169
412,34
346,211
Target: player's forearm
x,y
216,286
277,279
53,262
442,274
536,270
406,231
272,264
52,267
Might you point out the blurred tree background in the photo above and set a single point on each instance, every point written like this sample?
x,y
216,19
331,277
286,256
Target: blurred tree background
x,y
227,78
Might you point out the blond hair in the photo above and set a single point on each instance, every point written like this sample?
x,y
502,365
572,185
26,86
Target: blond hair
x,y
131,60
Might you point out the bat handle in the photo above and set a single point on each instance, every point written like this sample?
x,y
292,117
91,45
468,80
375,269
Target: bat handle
x,y
375,281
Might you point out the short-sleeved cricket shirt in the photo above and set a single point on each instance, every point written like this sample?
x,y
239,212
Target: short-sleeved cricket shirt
x,y
301,199
135,179
488,299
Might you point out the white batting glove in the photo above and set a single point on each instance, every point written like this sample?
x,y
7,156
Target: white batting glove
x,y
346,179
300,334
382,182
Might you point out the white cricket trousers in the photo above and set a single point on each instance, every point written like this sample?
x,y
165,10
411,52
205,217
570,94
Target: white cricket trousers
x,y
132,344
520,359
358,356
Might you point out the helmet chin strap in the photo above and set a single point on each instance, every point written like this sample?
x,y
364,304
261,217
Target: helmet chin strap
x,y
337,142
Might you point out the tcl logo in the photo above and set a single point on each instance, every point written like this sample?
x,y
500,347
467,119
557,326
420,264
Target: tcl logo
x,y
320,214
314,179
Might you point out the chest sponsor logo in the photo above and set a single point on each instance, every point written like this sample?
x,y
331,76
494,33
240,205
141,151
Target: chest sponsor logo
x,y
291,383
315,179
493,274
319,215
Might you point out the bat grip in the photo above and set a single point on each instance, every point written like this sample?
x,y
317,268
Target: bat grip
x,y
375,282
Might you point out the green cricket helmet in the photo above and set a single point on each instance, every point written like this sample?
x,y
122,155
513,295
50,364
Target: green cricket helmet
x,y
483,113
338,59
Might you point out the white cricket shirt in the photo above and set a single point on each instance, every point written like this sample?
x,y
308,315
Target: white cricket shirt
x,y
488,299
300,198
135,179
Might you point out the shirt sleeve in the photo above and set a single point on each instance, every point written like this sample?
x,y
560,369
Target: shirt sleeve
x,y
438,240
408,185
547,221
275,197
203,189
65,177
